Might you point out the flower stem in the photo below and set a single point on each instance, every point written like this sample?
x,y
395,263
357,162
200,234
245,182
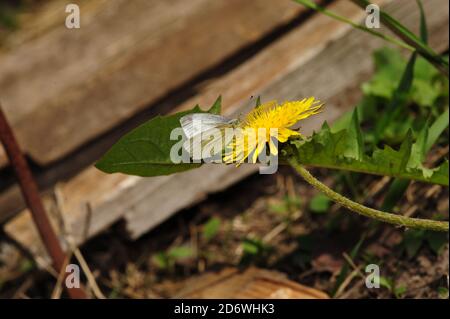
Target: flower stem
x,y
366,211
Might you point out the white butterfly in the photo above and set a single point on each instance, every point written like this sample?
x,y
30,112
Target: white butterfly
x,y
209,130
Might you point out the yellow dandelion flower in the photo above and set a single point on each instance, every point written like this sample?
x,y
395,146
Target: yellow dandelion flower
x,y
264,124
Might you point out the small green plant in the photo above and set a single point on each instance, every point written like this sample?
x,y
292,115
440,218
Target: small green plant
x,y
8,14
287,208
303,254
319,204
406,38
166,260
443,292
255,250
9,11
211,228
27,265
414,239
389,284
346,267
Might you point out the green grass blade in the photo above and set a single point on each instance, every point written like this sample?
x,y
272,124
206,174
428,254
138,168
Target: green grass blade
x,y
312,5
409,38
423,23
394,193
346,268
436,129
398,101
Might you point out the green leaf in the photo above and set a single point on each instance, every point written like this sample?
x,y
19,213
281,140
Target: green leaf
x,y
250,248
386,283
436,129
319,204
326,149
216,108
394,193
391,68
293,202
180,252
399,98
305,242
211,228
9,16
161,260
366,109
418,150
312,5
279,208
443,292
253,246
412,241
410,38
145,151
423,23
287,205
399,186
346,268
400,291
428,84
353,145
406,150
436,241
26,265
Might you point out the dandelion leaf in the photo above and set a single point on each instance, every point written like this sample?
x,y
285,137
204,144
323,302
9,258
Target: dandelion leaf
x,y
344,150
145,151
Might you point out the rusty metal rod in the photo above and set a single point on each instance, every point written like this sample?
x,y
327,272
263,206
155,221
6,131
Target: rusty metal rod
x,y
30,193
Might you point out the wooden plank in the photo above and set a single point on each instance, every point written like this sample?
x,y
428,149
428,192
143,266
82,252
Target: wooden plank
x,y
40,18
253,283
10,201
309,60
68,86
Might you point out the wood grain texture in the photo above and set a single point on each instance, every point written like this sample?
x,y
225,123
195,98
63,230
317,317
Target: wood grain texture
x,y
318,58
253,283
67,86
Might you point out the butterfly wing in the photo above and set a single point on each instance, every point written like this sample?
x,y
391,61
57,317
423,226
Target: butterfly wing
x,y
193,124
204,124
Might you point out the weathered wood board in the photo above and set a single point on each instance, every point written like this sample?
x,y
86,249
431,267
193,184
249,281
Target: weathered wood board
x,y
239,30
253,283
307,61
66,86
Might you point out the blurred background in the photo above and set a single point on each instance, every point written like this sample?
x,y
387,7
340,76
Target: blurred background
x,y
218,231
